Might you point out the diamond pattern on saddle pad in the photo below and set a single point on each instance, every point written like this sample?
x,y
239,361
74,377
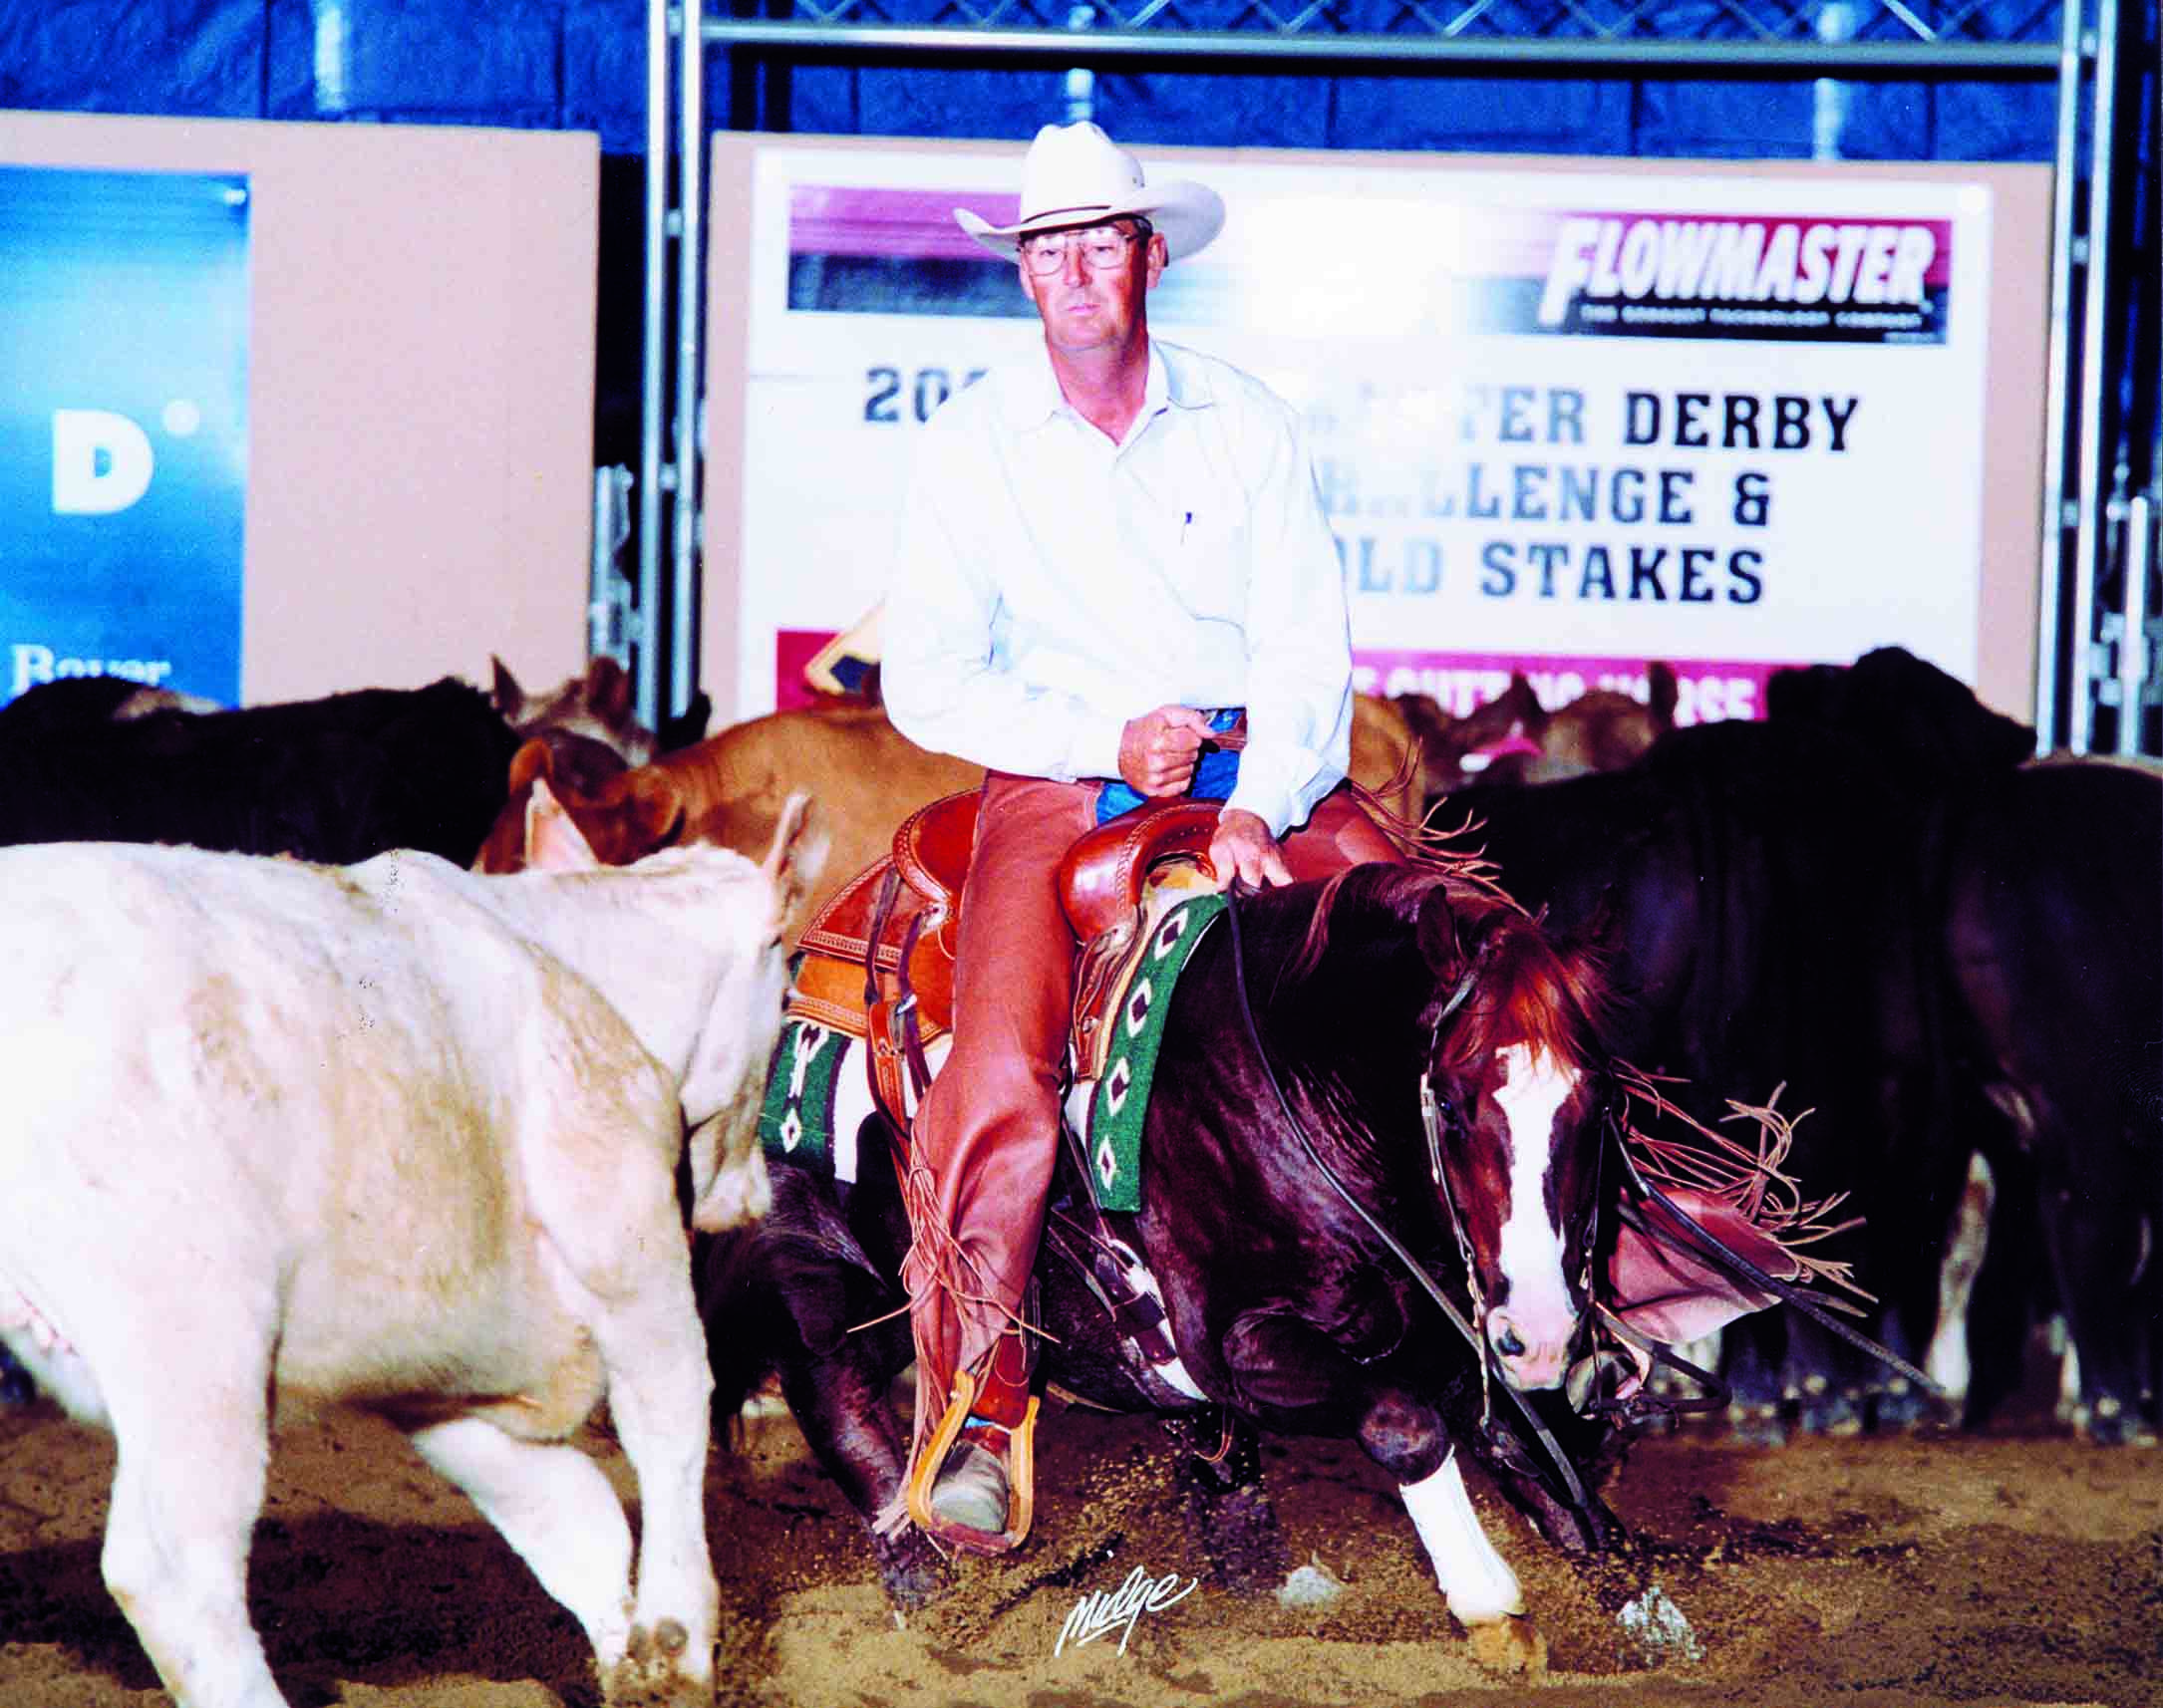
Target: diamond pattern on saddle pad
x,y
819,1096
1117,1112
1134,1012
1119,1080
796,1120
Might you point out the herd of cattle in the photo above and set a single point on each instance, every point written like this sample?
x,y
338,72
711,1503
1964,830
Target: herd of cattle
x,y
1876,902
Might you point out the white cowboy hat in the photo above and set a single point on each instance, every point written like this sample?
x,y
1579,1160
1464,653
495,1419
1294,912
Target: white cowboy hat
x,y
1075,175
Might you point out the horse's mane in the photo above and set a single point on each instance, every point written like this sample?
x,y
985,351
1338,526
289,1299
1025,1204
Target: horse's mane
x,y
1524,987
1431,857
1528,989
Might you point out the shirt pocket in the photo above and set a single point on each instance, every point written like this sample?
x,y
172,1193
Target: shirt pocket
x,y
1209,568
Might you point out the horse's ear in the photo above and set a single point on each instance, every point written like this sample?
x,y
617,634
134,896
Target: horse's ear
x,y
1481,935
1436,930
553,841
1602,929
531,764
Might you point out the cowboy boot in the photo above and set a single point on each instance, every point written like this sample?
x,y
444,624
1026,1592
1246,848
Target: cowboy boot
x,y
981,1498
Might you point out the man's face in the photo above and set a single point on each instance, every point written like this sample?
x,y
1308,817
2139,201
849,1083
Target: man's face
x,y
1085,304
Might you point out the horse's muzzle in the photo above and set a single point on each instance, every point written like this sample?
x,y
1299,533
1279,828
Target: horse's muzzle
x,y
1531,1355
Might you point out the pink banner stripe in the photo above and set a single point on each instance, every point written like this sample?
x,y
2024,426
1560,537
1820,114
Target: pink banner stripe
x,y
906,224
1708,689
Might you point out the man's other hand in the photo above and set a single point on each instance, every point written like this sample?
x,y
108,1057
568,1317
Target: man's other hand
x,y
1157,750
1244,849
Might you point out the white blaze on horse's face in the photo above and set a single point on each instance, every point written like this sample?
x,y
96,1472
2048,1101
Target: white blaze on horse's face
x,y
1533,1324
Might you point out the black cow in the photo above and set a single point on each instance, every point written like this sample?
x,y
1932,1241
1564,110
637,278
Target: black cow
x,y
2054,953
335,780
68,703
1771,895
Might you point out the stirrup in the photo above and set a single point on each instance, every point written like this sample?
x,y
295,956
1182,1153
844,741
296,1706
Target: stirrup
x,y
1019,1460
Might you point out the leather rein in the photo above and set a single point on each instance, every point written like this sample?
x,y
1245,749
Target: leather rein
x,y
1396,1247
1707,1246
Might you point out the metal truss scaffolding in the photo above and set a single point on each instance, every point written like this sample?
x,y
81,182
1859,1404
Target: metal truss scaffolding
x,y
2099,665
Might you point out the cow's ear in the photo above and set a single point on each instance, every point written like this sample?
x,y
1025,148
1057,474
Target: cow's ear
x,y
797,853
608,692
509,697
553,841
687,727
656,813
532,762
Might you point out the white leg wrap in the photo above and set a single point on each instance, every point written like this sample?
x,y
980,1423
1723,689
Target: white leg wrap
x,y
1475,1580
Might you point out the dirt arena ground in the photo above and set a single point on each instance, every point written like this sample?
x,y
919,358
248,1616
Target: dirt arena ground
x,y
2017,1567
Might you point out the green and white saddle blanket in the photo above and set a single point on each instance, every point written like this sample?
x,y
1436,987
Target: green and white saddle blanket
x,y
818,1094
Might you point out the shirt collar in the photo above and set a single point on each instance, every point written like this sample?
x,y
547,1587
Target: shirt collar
x,y
1033,397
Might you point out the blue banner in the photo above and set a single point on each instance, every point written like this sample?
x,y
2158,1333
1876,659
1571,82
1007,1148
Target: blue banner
x,y
124,428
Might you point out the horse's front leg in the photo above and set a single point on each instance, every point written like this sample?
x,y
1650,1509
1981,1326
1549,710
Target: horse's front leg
x,y
1406,1436
1297,1378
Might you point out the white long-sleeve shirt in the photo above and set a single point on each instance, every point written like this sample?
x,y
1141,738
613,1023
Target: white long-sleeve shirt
x,y
1051,585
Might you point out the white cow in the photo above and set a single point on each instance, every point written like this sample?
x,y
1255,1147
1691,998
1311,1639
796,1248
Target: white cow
x,y
275,1135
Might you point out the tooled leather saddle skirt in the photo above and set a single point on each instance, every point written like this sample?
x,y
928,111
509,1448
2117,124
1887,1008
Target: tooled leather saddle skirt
x,y
878,959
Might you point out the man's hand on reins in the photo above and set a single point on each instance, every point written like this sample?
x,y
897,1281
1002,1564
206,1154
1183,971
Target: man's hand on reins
x,y
1157,752
1243,848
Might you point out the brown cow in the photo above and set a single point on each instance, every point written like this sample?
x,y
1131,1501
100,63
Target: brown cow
x,y
1514,739
868,777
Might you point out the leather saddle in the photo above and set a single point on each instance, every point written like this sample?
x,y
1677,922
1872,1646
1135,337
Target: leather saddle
x,y
878,959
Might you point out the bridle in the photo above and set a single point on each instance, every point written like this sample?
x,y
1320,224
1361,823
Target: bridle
x,y
1496,1439
1704,1245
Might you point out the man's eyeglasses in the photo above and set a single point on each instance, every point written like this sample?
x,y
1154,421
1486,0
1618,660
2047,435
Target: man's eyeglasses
x,y
1100,247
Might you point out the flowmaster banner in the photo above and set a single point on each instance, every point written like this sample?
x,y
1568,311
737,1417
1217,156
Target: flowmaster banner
x,y
1563,421
123,342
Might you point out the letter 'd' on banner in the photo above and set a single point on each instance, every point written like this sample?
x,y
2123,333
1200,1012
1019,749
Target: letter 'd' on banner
x,y
102,462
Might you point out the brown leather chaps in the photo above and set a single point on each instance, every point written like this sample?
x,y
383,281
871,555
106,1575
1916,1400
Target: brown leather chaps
x,y
986,1136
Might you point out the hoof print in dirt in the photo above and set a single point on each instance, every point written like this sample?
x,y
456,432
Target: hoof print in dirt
x,y
1230,1517
1239,1536
1511,1644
